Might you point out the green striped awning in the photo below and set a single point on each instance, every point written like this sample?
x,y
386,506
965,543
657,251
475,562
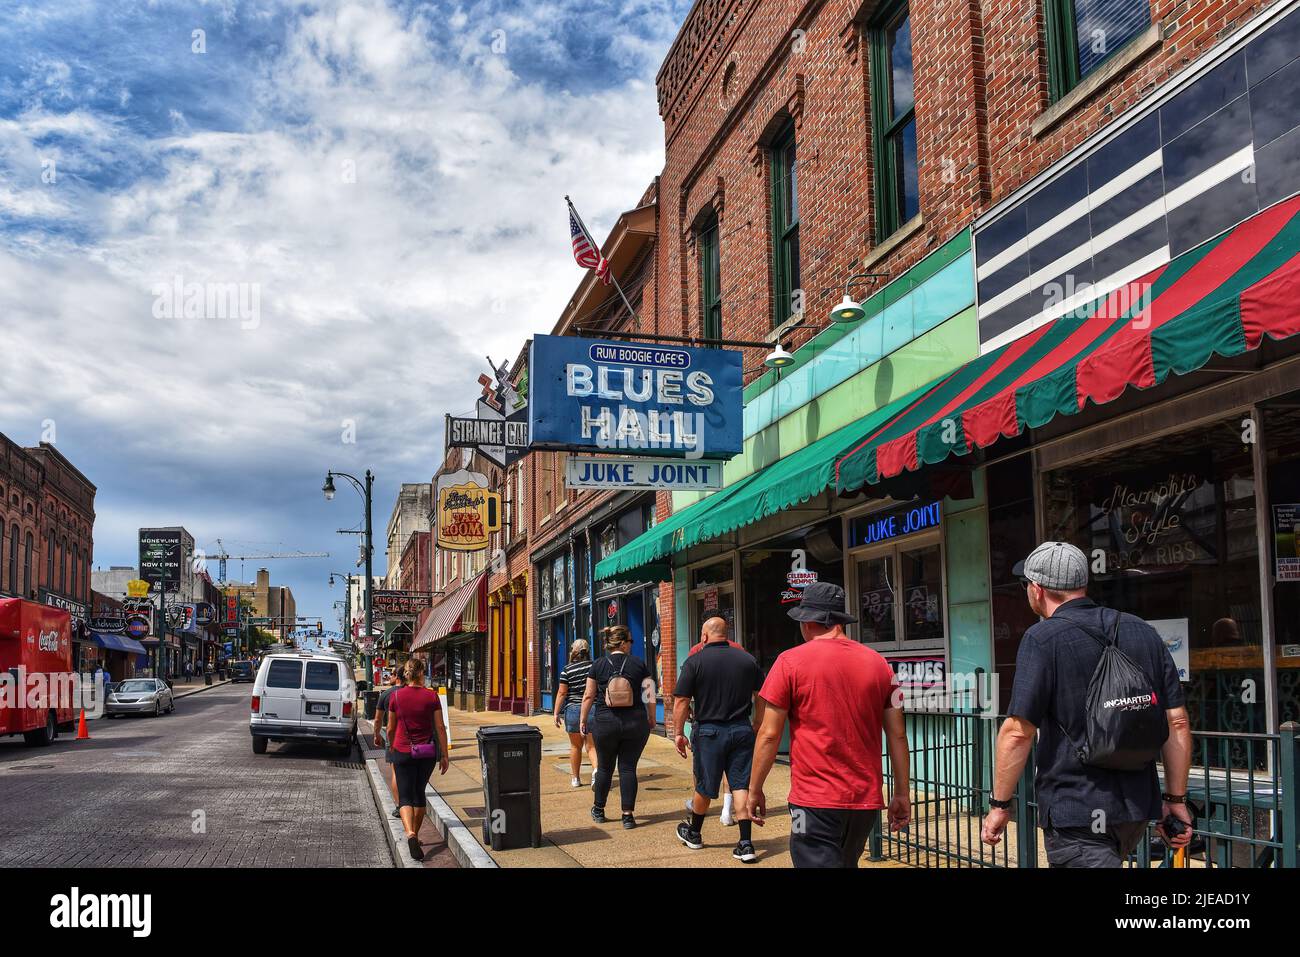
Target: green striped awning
x,y
789,481
1220,298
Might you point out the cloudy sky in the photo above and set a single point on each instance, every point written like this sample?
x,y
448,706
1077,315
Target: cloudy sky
x,y
374,189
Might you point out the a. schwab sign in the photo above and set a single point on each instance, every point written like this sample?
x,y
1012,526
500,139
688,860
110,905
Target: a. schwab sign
x,y
634,398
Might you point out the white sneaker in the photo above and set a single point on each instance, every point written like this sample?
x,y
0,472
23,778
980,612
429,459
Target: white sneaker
x,y
575,782
727,818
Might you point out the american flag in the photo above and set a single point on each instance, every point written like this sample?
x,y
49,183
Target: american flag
x,y
584,252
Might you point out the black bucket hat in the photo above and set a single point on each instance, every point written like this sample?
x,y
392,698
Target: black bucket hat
x,y
824,603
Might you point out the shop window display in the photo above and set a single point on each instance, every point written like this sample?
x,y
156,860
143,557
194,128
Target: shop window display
x,y
1169,527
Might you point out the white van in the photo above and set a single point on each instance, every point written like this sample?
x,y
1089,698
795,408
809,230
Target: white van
x,y
301,696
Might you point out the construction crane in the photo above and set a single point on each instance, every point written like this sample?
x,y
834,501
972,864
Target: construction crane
x,y
223,556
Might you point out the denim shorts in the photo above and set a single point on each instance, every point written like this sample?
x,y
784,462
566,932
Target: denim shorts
x,y
720,747
573,718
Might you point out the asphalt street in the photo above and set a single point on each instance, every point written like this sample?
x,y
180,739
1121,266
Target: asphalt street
x,y
184,790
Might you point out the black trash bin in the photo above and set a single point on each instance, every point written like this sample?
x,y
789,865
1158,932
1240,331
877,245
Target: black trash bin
x,y
371,699
511,757
207,677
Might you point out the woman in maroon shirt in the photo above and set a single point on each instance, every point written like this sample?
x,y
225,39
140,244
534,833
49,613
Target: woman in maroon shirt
x,y
415,718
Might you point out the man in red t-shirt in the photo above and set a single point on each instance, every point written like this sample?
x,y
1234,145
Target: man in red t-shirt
x,y
838,695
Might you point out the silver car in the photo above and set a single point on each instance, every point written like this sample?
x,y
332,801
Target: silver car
x,y
151,696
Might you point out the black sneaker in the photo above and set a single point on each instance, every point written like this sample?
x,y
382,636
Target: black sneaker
x,y
598,815
691,839
629,821
413,845
744,852
397,814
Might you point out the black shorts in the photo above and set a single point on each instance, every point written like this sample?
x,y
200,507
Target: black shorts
x,y
829,837
722,748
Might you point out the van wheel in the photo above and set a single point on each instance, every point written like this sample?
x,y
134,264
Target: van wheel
x,y
44,736
259,744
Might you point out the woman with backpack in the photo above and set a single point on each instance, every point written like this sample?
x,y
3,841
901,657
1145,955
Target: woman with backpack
x,y
623,721
419,741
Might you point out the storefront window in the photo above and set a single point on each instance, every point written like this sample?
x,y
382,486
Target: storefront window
x,y
544,586
875,600
717,573
922,595
898,563
1169,528
773,577
548,651
557,582
1282,442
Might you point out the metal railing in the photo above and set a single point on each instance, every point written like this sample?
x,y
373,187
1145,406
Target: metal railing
x,y
1244,792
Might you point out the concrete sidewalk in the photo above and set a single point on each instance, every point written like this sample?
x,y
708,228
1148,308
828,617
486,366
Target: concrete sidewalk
x,y
570,839
184,689
436,852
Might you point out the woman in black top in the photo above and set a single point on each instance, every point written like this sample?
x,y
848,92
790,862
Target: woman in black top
x,y
568,708
621,733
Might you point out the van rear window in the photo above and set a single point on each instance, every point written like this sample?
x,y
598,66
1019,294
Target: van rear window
x,y
322,676
284,674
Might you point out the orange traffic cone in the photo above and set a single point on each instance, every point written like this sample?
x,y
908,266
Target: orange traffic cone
x,y
82,733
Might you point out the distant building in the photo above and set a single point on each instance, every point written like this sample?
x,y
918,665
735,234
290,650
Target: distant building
x,y
410,515
268,601
47,520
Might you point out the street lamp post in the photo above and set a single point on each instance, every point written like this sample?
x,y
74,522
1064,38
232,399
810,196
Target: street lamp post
x,y
365,491
347,601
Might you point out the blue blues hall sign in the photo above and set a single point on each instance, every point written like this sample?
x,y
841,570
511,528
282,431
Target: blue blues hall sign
x,y
894,523
634,399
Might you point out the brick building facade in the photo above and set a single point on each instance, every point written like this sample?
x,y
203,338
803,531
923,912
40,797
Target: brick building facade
x,y
746,77
48,513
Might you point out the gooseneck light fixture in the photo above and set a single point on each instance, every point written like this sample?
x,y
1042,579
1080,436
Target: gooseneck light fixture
x,y
848,310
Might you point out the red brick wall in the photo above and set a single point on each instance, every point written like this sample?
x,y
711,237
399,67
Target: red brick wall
x,y
980,82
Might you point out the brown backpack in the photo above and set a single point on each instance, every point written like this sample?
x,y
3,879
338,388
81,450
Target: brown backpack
x,y
619,692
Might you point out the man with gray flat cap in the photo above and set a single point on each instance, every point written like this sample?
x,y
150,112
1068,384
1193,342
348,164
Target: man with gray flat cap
x,y
839,696
1096,783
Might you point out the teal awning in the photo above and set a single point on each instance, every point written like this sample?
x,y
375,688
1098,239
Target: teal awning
x,y
789,481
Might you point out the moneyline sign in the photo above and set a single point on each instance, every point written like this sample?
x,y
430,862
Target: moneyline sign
x,y
634,399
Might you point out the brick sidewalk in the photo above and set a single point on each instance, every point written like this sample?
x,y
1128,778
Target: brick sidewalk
x,y
570,839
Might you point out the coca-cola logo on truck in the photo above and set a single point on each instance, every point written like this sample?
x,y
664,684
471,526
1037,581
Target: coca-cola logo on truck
x,y
47,641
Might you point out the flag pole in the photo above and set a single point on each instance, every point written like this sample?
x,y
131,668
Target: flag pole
x,y
614,279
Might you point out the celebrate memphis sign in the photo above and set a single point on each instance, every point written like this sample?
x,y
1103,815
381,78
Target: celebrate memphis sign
x,y
634,399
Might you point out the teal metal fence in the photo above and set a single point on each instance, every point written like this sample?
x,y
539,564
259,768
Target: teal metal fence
x,y
1244,792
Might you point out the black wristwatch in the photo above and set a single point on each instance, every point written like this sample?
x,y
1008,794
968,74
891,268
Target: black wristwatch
x,y
1000,805
1174,798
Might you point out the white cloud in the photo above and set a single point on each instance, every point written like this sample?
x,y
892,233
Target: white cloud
x,y
397,199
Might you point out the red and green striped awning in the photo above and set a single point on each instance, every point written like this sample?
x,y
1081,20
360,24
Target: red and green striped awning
x,y
1221,298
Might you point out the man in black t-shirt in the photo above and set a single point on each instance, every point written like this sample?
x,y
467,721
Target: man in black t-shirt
x,y
381,720
723,681
1090,816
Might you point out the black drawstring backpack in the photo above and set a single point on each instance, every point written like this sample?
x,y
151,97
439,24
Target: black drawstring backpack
x,y
1124,723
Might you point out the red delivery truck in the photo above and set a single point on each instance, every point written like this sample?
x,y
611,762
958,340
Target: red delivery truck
x,y
36,670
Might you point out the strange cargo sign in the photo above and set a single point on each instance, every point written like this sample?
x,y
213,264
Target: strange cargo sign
x,y
634,398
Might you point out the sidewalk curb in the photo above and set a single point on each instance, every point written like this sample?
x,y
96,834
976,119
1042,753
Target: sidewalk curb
x,y
186,694
393,829
464,846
